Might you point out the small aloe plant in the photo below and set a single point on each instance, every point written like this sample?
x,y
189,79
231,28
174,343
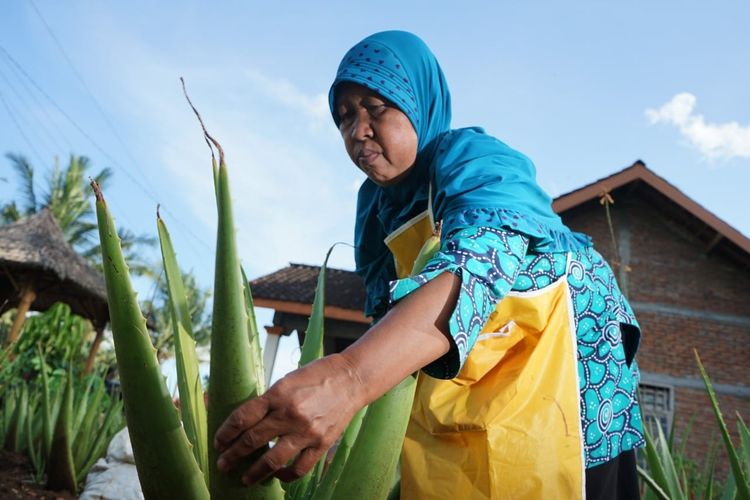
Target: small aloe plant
x,y
665,479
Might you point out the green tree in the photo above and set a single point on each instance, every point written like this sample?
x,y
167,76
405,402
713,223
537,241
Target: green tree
x,y
67,195
157,310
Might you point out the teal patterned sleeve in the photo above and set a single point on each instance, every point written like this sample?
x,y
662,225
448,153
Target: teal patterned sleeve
x,y
487,260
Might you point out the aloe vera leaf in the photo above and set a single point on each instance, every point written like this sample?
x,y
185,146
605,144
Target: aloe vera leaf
x,y
730,488
46,407
10,418
164,461
253,336
34,448
81,402
98,443
233,378
744,443
312,347
56,404
371,465
60,467
85,429
670,471
743,487
22,415
192,405
654,461
90,425
328,484
709,492
652,484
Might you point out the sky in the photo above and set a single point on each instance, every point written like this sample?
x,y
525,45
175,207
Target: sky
x,y
584,88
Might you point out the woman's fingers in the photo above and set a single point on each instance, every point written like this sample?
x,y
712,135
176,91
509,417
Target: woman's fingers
x,y
275,459
241,419
247,442
304,463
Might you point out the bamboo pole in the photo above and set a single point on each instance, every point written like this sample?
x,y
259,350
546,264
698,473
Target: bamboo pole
x,y
28,296
94,349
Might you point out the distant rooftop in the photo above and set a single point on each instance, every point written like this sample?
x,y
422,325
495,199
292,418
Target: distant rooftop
x,y
292,289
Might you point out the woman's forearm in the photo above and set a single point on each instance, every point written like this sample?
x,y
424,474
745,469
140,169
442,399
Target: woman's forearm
x,y
413,334
310,407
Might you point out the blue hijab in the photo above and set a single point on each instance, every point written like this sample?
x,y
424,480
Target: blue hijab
x,y
476,179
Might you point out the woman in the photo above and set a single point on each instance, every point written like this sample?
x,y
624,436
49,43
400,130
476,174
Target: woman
x,y
524,340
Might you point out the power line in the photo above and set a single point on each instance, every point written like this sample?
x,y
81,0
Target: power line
x,y
20,130
102,151
32,116
41,107
91,96
146,188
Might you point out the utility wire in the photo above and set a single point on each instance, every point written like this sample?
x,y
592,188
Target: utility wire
x,y
40,106
93,98
146,189
102,151
31,116
21,132
73,122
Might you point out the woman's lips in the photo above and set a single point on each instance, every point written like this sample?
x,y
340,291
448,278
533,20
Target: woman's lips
x,y
367,157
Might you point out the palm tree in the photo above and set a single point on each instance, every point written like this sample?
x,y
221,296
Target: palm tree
x,y
67,196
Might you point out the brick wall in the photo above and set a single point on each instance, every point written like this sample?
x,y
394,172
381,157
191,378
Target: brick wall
x,y
684,299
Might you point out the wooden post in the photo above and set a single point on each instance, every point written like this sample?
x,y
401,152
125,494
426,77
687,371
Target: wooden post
x,y
94,349
28,295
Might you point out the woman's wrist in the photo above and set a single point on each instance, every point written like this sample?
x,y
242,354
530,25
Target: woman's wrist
x,y
352,378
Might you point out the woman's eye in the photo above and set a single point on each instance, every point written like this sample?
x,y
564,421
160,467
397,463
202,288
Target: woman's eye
x,y
376,109
345,115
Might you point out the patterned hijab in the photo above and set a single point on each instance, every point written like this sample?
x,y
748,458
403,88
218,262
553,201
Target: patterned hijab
x,y
469,170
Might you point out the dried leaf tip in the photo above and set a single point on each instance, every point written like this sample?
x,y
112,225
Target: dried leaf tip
x,y
97,190
158,206
208,138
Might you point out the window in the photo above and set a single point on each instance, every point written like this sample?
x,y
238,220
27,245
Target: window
x,y
657,406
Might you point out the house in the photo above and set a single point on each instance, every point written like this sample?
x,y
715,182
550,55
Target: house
x,y
687,275
685,271
290,292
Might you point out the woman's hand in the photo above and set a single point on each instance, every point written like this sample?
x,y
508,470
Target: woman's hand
x,y
307,410
310,407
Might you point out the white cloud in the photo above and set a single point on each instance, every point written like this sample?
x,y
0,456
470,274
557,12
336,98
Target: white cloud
x,y
713,140
314,107
290,174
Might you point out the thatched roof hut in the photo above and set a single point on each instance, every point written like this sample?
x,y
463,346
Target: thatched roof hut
x,y
37,264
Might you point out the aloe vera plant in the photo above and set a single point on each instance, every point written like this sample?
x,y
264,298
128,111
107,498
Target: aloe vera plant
x,y
366,458
61,474
665,478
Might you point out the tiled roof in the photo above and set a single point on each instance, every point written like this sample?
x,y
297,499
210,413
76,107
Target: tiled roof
x,y
722,235
296,283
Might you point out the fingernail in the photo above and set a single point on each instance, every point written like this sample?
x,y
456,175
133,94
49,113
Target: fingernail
x,y
247,481
221,464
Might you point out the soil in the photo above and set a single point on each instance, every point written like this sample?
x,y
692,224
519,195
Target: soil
x,y
16,480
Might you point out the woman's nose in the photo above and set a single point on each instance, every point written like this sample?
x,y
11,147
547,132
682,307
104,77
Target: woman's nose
x,y
361,128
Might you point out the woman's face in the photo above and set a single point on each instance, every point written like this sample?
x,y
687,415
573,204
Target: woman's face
x,y
377,135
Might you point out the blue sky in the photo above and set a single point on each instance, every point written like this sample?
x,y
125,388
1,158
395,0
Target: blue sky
x,y
584,88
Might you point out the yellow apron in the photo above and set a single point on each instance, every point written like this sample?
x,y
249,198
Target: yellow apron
x,y
508,426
